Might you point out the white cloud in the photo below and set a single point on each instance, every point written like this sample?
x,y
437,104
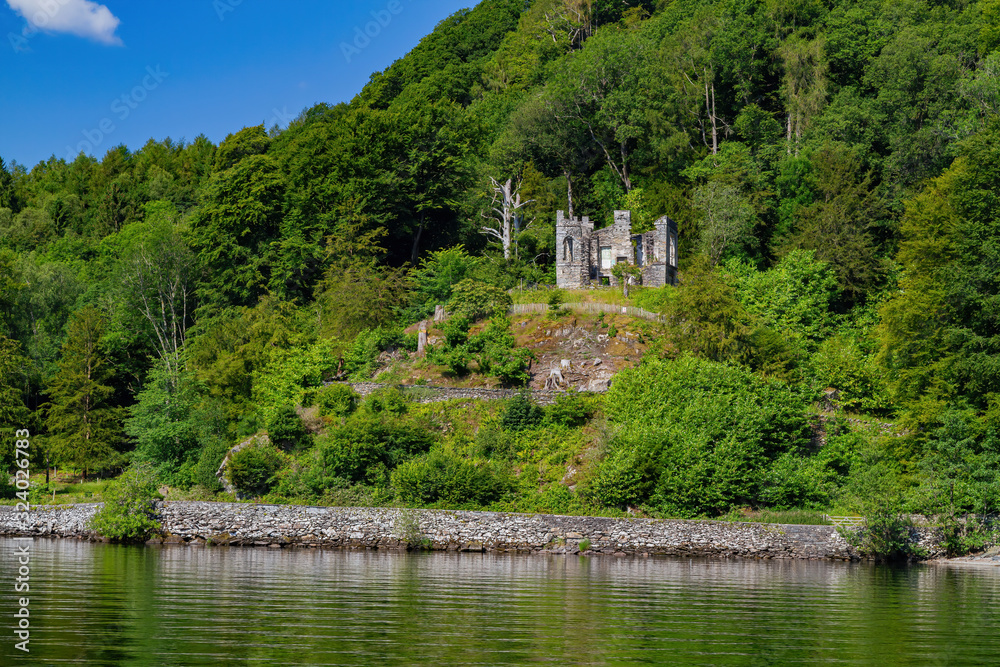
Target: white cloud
x,y
76,17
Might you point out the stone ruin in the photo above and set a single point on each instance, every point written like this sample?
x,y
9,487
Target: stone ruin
x,y
585,256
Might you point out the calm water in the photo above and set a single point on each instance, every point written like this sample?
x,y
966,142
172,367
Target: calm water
x,y
111,605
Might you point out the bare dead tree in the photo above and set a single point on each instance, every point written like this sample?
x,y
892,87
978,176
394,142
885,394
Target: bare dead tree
x,y
504,214
572,18
158,280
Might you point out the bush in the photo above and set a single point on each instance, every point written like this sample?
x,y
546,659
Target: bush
x,y
389,400
555,301
287,431
253,469
569,409
886,536
707,433
478,300
361,359
521,412
444,477
968,534
364,450
209,460
456,331
841,363
627,477
336,400
129,511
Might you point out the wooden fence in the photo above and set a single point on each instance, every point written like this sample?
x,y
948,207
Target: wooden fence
x,y
845,521
589,308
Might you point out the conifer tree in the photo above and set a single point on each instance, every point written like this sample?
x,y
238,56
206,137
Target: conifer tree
x,y
83,426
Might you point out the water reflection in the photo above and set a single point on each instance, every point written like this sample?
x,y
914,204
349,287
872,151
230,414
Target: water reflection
x,y
113,605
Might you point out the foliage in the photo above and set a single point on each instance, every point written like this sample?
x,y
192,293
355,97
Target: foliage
x,y
793,297
886,536
698,437
521,412
286,430
361,358
967,534
165,421
253,469
84,425
443,478
570,409
129,511
336,400
707,318
477,300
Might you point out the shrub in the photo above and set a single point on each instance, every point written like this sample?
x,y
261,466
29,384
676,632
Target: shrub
x,y
477,300
886,536
209,460
498,355
521,412
287,431
445,477
569,409
129,511
627,477
253,469
555,300
364,450
706,432
968,534
494,442
336,400
456,331
389,400
840,362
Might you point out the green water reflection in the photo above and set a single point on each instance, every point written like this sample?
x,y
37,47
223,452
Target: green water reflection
x,y
113,605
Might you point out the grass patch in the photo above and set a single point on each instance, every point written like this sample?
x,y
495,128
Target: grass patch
x,y
794,517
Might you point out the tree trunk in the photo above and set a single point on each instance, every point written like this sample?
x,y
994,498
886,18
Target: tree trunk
x,y
788,134
715,127
416,240
569,190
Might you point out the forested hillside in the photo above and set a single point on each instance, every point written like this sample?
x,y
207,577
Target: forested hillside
x,y
834,167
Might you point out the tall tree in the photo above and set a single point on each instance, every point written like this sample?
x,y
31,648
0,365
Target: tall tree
x,y
157,280
604,88
506,219
84,428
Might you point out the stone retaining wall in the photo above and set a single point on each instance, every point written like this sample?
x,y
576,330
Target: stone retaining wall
x,y
431,394
379,528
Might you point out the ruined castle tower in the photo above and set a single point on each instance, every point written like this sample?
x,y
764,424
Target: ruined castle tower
x,y
584,256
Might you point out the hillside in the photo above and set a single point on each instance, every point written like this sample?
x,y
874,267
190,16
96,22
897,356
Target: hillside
x,y
586,350
831,166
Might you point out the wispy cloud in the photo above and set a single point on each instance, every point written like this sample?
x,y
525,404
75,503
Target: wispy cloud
x,y
76,17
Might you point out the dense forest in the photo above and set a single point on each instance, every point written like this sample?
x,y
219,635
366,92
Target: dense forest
x,y
834,167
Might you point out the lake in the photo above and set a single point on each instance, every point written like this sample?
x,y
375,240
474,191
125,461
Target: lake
x,y
98,604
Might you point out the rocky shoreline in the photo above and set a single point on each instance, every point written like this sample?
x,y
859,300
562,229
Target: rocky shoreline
x,y
276,526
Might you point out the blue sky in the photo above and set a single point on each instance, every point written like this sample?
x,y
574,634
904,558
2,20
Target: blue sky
x,y
101,74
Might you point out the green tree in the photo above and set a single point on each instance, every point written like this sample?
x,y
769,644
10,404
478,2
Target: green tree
x,y
232,231
938,333
164,422
708,319
84,427
603,89
13,413
838,225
